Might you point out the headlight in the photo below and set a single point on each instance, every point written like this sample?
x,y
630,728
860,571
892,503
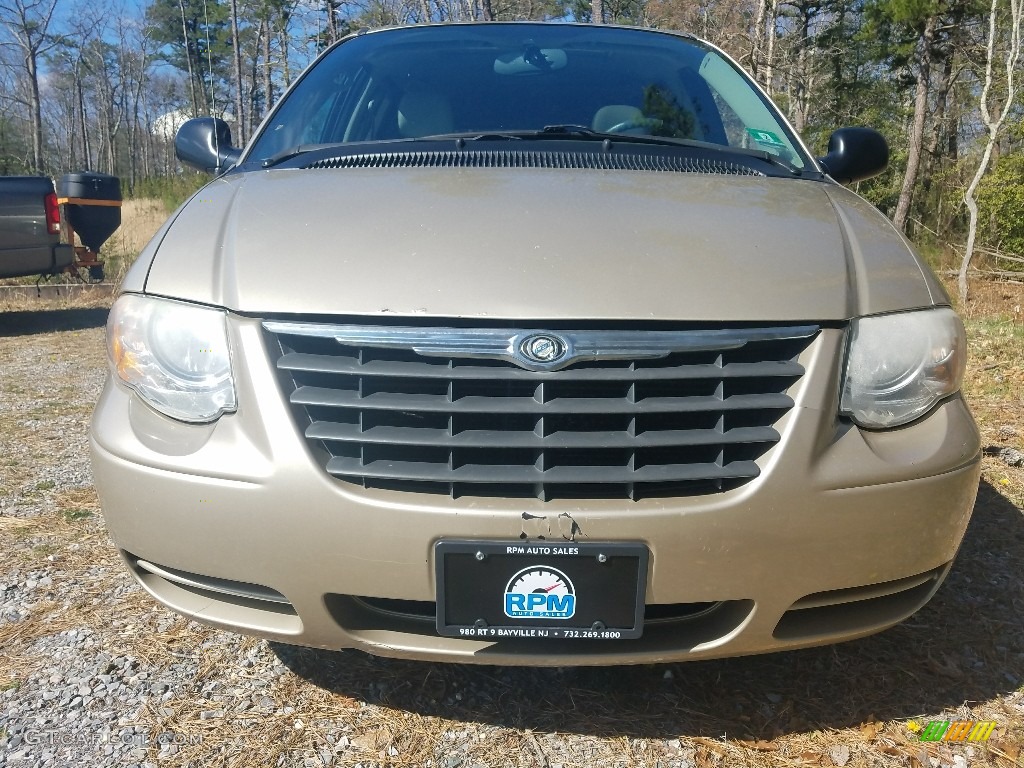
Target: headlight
x,y
898,366
174,355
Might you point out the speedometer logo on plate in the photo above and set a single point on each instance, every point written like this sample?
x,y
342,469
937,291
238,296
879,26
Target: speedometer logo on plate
x,y
540,592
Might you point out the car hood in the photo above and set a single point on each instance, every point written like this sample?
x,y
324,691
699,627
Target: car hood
x,y
536,244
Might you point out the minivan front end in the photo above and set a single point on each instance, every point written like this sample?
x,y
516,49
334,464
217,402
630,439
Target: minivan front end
x,y
311,514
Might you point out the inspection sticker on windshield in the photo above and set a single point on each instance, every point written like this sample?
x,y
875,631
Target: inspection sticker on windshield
x,y
767,138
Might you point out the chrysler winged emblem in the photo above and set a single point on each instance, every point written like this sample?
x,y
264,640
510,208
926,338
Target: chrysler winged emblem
x,y
541,348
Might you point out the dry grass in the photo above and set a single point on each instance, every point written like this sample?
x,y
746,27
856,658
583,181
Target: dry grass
x,y
70,545
140,219
994,385
962,657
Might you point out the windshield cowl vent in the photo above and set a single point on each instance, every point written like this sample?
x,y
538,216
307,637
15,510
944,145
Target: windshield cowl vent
x,y
535,159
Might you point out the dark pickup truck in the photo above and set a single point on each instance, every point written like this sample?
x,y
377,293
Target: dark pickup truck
x,y
30,228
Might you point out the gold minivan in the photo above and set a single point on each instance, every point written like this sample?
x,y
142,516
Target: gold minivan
x,y
542,344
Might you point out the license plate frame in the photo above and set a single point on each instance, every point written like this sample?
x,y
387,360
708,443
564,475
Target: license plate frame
x,y
478,584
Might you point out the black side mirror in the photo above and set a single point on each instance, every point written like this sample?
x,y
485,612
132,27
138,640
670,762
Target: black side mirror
x,y
855,154
204,143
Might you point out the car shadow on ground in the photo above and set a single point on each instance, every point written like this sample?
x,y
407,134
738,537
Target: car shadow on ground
x,y
965,646
51,320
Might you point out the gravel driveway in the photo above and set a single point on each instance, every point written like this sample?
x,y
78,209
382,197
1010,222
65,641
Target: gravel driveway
x,y
94,673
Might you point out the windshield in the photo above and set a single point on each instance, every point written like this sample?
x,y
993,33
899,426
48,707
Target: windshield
x,y
419,82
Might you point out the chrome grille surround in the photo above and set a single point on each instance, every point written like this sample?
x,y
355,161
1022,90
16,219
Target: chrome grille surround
x,y
467,412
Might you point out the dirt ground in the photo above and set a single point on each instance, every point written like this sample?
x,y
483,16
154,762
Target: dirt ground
x,y
960,658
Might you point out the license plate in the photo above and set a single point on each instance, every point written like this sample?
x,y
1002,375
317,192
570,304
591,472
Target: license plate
x,y
540,590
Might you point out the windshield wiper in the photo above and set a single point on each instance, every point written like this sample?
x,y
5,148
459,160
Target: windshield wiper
x,y
569,129
584,133
548,132
300,149
566,131
761,154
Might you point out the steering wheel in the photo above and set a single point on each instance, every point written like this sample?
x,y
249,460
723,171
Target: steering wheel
x,y
643,124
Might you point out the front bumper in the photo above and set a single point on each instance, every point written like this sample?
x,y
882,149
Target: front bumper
x,y
844,533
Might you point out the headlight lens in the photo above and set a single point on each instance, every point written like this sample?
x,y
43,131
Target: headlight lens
x,y
174,355
898,366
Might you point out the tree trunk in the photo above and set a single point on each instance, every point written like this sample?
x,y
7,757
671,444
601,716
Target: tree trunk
x,y
769,62
236,49
597,11
140,80
798,110
188,59
992,122
36,112
253,85
286,67
933,155
70,136
917,127
86,149
332,22
757,47
268,82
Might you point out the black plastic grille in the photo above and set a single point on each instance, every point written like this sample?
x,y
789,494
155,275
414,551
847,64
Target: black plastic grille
x,y
536,159
688,423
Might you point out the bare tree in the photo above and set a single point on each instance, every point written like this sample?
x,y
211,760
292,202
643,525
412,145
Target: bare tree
x,y
28,22
14,152
993,118
134,52
725,23
767,11
800,74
